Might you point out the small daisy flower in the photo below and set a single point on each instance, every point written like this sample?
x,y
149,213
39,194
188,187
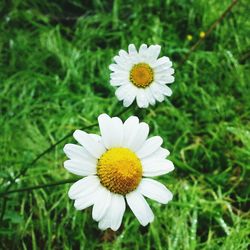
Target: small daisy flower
x,y
189,37
118,166
141,75
202,34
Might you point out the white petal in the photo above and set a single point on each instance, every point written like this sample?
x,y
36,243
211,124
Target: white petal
x,y
154,51
160,153
94,148
140,136
123,53
143,49
170,79
153,167
111,131
168,71
120,75
119,60
130,97
102,202
123,62
132,50
113,217
85,201
131,126
155,191
141,99
161,69
76,152
115,67
165,90
96,137
156,92
164,69
164,79
146,55
163,60
125,56
149,146
105,126
80,167
150,96
140,207
134,57
84,187
118,82
116,130
123,91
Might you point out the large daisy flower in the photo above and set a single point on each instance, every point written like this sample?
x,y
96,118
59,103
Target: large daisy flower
x,y
118,166
141,75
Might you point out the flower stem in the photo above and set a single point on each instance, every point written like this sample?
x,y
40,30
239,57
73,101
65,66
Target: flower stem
x,y
27,189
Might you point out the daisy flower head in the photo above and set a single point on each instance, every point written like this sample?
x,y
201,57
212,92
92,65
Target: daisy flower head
x,y
141,75
117,167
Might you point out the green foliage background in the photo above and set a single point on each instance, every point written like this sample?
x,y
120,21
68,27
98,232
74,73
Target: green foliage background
x,y
54,78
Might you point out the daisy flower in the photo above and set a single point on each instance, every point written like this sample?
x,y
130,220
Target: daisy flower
x,y
118,166
141,75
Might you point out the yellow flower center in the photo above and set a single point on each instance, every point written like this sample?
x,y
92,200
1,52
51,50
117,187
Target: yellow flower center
x,y
141,75
119,170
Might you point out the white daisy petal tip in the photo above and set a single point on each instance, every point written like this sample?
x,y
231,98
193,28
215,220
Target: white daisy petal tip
x,y
170,166
132,49
93,147
76,133
171,196
167,152
65,164
140,208
71,195
155,190
143,48
103,116
137,72
105,161
150,146
65,148
156,167
114,213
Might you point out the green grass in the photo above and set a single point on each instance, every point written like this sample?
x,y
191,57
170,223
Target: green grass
x,y
54,78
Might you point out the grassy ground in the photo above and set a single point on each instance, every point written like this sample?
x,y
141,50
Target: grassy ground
x,y
54,76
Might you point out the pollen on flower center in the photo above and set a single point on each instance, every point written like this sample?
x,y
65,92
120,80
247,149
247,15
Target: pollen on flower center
x,y
141,75
119,170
